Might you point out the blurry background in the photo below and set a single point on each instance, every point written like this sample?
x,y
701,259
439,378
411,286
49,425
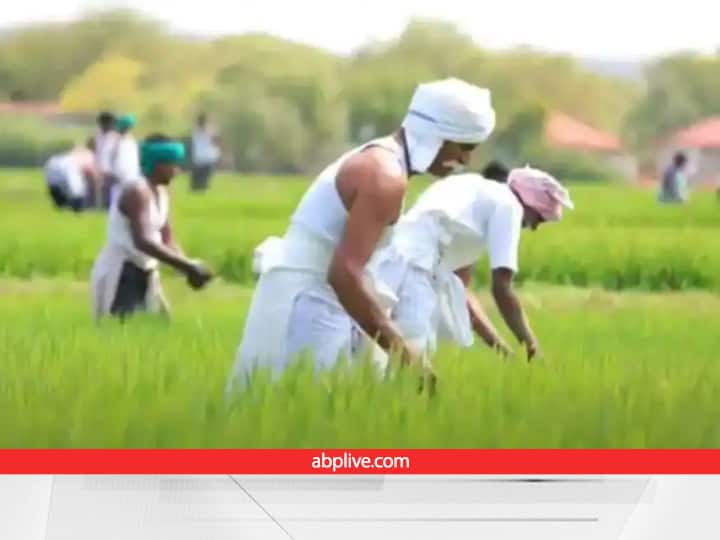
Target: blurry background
x,y
589,92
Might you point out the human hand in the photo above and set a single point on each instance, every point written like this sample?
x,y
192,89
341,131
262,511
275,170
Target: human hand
x,y
502,348
198,275
533,350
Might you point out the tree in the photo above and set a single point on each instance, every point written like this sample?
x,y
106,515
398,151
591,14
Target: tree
x,y
271,86
39,60
681,89
112,83
265,133
258,86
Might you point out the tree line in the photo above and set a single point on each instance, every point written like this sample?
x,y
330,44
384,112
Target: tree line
x,y
285,107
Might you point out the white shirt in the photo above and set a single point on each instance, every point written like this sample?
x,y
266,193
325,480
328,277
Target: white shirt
x,y
119,234
55,168
204,150
459,218
67,171
105,149
126,163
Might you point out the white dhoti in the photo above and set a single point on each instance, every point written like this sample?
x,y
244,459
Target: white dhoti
x,y
294,311
105,279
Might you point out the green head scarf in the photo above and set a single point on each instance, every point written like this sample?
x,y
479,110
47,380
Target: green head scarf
x,y
125,122
153,153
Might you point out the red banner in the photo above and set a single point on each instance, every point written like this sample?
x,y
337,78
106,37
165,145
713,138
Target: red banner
x,y
525,462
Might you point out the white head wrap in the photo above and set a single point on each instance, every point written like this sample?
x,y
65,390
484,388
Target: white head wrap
x,y
446,110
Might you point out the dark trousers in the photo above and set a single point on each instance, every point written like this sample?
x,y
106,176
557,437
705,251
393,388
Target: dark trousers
x,y
131,291
61,200
200,177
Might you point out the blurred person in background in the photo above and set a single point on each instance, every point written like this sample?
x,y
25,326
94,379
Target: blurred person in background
x,y
314,295
105,141
205,154
126,158
495,171
429,264
674,185
125,276
72,176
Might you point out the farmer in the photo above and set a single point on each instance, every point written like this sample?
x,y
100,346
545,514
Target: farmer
x,y
126,157
105,141
313,295
205,154
673,188
428,265
70,176
495,171
125,276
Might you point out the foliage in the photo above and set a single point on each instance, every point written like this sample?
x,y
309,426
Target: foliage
x,y
681,89
280,105
27,142
618,237
620,370
109,84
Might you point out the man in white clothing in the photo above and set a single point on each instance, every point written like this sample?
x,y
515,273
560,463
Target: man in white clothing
x,y
126,161
314,294
205,154
105,141
429,264
70,176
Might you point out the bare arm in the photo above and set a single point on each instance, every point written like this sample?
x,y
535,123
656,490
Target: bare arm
x,y
135,204
377,204
482,325
169,239
511,310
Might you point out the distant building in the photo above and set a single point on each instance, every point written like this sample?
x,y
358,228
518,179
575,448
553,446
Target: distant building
x,y
48,111
566,133
30,108
701,144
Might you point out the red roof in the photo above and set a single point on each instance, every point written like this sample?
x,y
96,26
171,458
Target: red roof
x,y
566,132
704,134
30,107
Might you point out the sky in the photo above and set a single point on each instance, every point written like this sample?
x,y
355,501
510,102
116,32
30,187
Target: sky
x,y
607,29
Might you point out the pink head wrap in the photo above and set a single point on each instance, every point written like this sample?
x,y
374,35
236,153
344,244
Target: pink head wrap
x,y
541,192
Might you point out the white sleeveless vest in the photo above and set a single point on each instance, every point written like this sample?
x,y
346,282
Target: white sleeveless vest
x,y
119,235
293,265
318,223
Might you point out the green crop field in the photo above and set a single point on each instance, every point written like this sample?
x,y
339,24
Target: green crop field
x,y
623,296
